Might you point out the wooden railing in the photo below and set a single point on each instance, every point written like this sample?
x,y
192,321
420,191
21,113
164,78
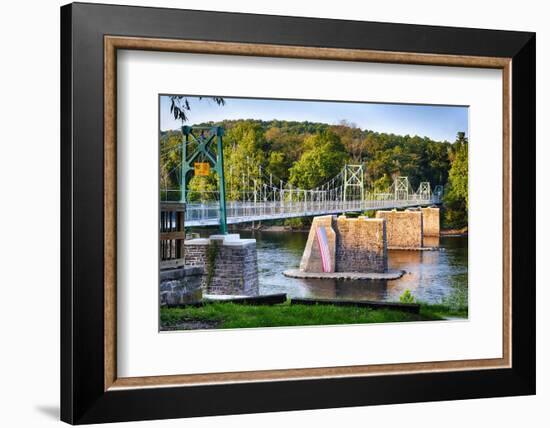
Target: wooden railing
x,y
172,233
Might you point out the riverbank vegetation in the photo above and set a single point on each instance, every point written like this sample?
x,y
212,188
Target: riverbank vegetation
x,y
307,154
455,199
231,315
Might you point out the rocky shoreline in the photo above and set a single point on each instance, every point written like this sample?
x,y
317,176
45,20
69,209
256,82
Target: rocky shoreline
x,y
454,232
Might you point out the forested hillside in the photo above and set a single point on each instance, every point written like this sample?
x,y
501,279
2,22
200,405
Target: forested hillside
x,y
307,154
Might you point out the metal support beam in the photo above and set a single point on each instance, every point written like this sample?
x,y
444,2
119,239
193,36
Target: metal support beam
x,y
215,159
354,178
401,188
424,190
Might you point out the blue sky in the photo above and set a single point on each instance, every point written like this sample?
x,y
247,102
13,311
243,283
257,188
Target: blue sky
x,y
437,122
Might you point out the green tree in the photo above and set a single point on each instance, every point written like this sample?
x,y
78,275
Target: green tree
x,y
203,189
170,155
244,152
324,159
278,165
308,154
351,138
456,193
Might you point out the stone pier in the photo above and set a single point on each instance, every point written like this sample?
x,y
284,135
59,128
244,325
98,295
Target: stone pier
x,y
311,258
230,264
355,245
404,229
430,219
181,285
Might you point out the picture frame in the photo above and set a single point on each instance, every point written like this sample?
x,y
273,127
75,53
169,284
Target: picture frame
x,y
91,391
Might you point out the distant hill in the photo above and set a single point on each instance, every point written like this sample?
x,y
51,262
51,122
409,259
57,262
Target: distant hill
x,y
306,154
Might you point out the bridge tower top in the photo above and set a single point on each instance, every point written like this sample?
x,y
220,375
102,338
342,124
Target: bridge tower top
x,y
198,146
354,176
401,188
424,190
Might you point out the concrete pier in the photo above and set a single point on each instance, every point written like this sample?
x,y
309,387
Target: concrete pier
x,y
430,220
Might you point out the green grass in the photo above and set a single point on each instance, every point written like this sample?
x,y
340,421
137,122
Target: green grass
x,y
443,311
231,315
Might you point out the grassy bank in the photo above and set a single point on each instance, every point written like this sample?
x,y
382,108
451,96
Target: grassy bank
x,y
439,312
230,315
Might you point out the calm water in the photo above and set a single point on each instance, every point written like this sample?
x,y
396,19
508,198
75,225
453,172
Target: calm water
x,y
432,276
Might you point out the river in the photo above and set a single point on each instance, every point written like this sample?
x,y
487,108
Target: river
x,y
431,276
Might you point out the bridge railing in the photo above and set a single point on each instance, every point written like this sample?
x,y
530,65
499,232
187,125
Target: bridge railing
x,y
198,212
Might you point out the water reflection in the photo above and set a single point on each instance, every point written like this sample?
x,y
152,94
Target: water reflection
x,y
432,276
431,241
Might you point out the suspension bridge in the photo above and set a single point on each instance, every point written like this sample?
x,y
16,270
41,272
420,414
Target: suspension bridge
x,y
252,194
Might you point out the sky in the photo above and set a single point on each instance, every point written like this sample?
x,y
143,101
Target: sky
x,y
439,123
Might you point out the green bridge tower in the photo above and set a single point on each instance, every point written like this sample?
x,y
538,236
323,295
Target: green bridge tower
x,y
198,147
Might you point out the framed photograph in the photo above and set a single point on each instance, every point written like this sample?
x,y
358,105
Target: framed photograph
x,y
266,213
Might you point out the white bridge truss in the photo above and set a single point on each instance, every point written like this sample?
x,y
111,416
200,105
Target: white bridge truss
x,y
260,199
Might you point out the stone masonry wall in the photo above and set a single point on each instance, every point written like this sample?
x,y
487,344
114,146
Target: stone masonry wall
x,y
430,219
403,228
181,285
235,267
361,245
356,245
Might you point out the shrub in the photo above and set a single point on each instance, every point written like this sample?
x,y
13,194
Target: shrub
x,y
407,297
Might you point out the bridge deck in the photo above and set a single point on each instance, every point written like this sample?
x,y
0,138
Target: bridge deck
x,y
245,212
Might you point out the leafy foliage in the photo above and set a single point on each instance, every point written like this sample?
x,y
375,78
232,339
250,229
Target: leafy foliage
x,y
407,297
456,193
203,188
324,158
211,255
307,154
179,105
